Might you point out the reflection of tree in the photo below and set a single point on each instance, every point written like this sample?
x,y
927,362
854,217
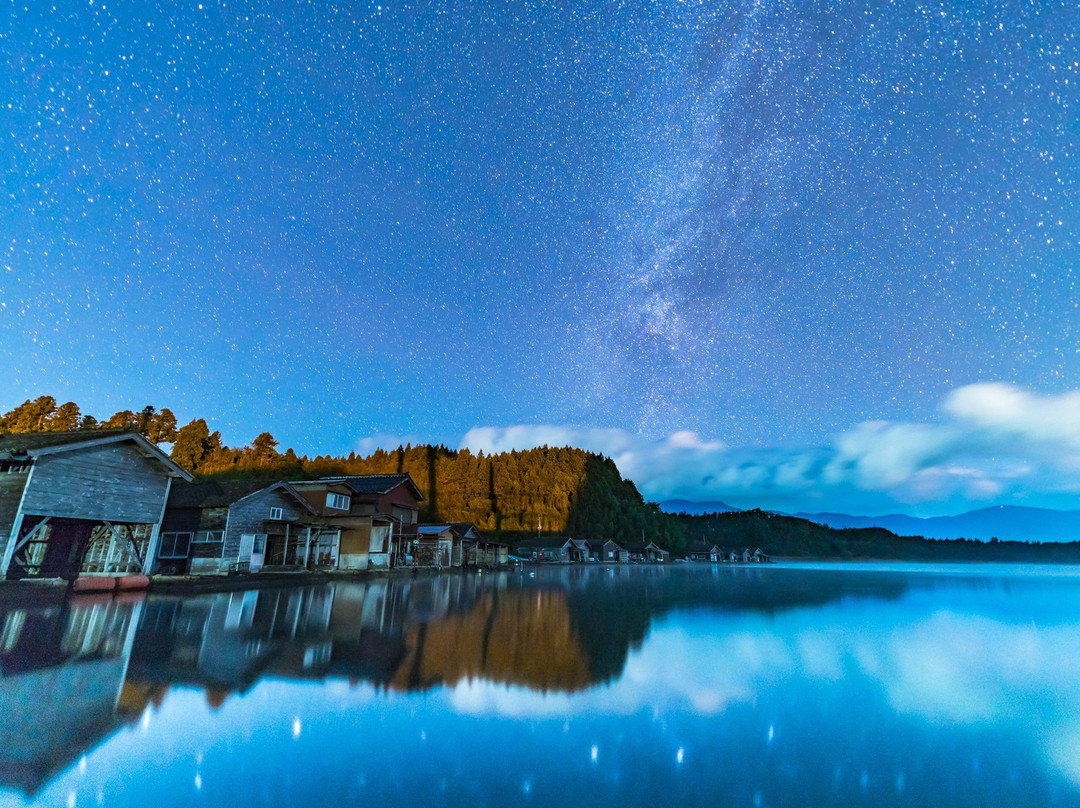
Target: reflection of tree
x,y
520,637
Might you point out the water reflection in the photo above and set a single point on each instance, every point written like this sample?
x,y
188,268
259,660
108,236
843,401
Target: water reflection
x,y
759,685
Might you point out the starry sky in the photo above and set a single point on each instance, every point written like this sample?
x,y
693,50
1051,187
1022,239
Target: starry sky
x,y
752,226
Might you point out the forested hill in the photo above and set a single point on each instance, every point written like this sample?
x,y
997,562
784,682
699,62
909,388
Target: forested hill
x,y
549,490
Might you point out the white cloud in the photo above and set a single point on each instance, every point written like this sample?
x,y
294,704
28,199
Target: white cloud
x,y
992,443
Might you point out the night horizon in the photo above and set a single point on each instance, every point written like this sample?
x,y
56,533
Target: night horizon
x,y
776,254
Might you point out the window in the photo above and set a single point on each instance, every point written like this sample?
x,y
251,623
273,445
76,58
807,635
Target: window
x,y
209,536
275,513
338,501
174,545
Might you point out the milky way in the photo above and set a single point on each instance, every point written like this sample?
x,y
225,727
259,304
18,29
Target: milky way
x,y
760,221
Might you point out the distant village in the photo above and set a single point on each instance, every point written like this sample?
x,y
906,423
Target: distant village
x,y
109,509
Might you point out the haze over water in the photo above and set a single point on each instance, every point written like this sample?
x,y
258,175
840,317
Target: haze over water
x,y
711,685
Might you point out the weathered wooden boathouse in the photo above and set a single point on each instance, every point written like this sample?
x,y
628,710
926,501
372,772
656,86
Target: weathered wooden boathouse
x,y
81,503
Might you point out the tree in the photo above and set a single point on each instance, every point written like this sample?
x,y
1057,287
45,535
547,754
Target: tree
x,y
162,427
264,446
64,419
30,416
125,419
192,444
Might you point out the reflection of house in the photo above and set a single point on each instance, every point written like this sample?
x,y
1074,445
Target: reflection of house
x,y
703,551
81,503
605,550
647,552
376,514
214,526
62,684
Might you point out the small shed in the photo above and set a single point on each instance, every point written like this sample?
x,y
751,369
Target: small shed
x,y
647,552
81,503
703,551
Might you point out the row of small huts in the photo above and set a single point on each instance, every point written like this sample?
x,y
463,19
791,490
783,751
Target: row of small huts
x,y
111,503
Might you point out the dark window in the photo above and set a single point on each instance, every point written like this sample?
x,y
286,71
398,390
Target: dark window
x,y
174,545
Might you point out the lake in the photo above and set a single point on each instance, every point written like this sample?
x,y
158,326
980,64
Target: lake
x,y
775,685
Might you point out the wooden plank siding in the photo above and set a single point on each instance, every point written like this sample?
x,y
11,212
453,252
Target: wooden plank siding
x,y
114,482
12,484
250,515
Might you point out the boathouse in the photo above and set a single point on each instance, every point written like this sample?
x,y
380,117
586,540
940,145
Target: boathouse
x,y
215,527
81,503
703,551
647,552
605,550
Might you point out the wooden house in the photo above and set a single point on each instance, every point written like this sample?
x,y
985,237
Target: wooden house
x,y
435,546
647,552
606,550
214,527
729,556
375,513
703,551
544,548
81,503
477,550
758,557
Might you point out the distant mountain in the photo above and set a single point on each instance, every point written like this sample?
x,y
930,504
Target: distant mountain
x,y
695,508
1006,522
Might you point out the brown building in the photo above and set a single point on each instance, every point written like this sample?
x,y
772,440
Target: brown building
x,y
375,514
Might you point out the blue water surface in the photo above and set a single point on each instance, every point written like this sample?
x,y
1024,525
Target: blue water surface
x,y
773,685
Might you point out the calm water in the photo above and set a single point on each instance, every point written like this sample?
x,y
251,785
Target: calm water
x,y
779,685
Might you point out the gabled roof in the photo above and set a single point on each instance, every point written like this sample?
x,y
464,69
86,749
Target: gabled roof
x,y
464,528
374,483
37,444
642,546
554,541
598,544
432,530
224,493
703,547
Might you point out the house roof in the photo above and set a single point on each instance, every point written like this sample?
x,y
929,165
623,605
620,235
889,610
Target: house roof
x,y
702,547
28,445
374,483
642,546
223,493
598,544
432,530
463,529
557,541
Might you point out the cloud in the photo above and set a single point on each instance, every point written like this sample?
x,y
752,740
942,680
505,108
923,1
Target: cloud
x,y
992,444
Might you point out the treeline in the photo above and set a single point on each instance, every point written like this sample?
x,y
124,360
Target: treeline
x,y
512,495
43,414
789,536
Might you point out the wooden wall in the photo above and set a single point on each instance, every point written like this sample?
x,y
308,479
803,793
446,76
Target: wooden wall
x,y
249,515
11,489
113,482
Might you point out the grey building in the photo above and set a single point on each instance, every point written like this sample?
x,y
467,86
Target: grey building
x,y
81,503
